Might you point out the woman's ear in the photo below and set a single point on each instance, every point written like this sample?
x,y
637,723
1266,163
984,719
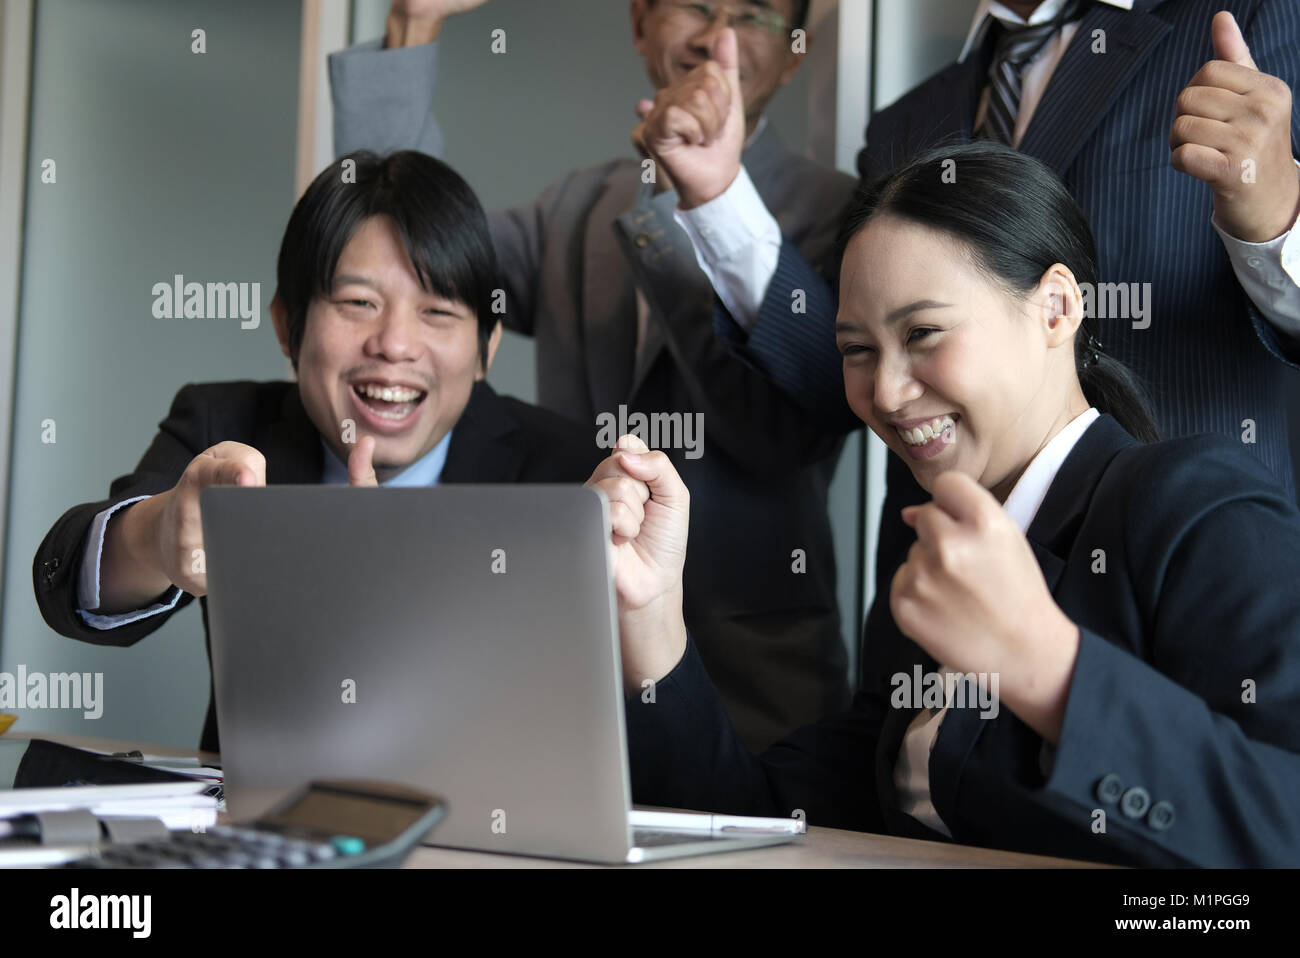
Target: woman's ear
x,y
1060,305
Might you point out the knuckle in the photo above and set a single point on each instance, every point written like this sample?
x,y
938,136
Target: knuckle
x,y
624,487
1183,127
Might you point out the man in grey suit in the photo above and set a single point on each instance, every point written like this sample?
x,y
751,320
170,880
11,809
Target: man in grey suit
x,y
600,271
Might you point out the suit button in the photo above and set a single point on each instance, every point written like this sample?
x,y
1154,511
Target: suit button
x,y
51,567
1161,816
1135,802
1109,789
642,240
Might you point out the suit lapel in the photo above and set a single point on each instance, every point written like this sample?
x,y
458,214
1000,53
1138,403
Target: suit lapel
x,y
609,298
1057,521
292,445
1086,85
479,451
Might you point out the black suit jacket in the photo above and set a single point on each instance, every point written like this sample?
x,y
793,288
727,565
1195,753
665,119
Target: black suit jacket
x,y
1185,696
496,439
1209,359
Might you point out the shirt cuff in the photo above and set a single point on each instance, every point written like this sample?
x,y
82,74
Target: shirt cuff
x,y
88,578
1269,274
737,243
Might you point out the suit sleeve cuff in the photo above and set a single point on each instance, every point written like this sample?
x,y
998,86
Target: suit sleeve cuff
x,y
1269,274
383,99
737,243
88,578
1142,749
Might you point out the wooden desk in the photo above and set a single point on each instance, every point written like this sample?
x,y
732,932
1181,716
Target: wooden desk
x,y
820,848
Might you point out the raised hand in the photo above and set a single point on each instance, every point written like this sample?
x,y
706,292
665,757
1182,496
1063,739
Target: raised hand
x,y
412,22
695,128
649,512
1232,129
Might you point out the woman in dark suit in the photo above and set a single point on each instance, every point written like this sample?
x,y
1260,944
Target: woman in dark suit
x,y
1092,649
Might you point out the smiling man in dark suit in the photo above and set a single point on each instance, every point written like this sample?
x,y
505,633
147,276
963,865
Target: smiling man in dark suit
x,y
383,305
599,271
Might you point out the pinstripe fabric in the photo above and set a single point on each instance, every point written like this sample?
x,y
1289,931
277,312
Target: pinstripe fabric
x,y
804,363
1210,362
1016,47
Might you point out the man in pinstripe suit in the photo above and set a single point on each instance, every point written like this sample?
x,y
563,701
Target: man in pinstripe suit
x,y
1112,88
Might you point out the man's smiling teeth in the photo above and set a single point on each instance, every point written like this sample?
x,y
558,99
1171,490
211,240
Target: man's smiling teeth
x,y
389,393
927,432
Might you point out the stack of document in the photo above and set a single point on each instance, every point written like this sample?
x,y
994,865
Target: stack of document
x,y
176,804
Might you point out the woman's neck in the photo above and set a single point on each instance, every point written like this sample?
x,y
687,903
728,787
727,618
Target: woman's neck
x,y
1072,410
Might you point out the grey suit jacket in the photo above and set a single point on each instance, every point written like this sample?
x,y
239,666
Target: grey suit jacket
x,y
760,573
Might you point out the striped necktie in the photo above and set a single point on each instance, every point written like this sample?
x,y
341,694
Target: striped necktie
x,y
1016,47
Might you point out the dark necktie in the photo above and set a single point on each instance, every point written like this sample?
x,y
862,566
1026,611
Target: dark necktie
x,y
1016,47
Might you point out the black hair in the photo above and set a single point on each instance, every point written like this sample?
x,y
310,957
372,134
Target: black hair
x,y
800,18
1017,219
436,214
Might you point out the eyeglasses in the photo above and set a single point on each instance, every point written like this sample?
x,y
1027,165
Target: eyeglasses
x,y
743,17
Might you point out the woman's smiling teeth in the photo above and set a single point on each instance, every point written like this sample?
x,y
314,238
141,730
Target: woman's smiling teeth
x,y
927,432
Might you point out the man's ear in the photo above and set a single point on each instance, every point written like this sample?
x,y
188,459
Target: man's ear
x,y
640,10
1060,305
280,320
493,342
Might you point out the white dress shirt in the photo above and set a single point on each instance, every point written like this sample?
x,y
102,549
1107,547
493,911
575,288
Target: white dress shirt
x,y
912,769
738,242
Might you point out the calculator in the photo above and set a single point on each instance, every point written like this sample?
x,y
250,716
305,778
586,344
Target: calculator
x,y
329,824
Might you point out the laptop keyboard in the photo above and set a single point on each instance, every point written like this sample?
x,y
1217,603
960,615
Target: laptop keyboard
x,y
649,838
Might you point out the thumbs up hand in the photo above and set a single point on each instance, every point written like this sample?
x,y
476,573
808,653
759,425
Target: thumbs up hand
x,y
695,128
1232,129
361,463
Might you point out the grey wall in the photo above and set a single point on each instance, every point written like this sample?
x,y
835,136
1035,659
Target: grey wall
x,y
914,39
167,162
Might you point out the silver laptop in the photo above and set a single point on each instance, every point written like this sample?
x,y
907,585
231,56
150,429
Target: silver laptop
x,y
461,639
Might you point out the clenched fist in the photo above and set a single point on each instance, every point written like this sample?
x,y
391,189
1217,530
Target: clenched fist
x,y
649,512
972,594
695,128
